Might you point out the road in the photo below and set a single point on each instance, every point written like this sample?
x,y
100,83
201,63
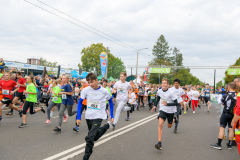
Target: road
x,y
134,139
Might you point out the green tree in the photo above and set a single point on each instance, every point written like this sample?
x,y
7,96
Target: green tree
x,y
177,58
91,59
230,78
161,50
44,62
219,84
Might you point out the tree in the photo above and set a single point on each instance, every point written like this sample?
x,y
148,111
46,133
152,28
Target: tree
x,y
44,62
177,58
91,59
230,78
219,84
161,50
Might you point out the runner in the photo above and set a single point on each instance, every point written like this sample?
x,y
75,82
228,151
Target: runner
x,y
132,102
146,95
19,94
140,95
96,99
136,94
186,100
167,108
194,94
7,86
67,102
207,96
153,96
229,102
121,88
56,100
200,97
179,92
31,98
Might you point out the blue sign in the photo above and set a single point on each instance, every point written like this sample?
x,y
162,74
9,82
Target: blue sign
x,y
103,63
25,65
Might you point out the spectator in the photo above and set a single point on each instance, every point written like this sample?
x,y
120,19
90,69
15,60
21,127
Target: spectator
x,y
2,64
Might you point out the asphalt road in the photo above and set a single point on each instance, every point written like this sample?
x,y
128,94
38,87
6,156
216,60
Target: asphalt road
x,y
134,139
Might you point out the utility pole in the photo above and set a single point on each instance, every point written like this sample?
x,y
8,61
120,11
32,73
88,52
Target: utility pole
x,y
106,74
137,65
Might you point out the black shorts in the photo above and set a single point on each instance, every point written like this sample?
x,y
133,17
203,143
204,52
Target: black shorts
x,y
114,95
165,115
20,95
6,101
226,120
207,99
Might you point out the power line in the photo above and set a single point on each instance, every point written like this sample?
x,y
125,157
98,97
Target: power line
x,y
127,46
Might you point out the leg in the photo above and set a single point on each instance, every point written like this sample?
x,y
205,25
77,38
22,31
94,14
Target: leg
x,y
160,126
49,109
25,108
193,105
62,109
1,104
70,112
118,111
208,105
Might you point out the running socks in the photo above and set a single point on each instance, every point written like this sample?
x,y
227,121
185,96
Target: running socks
x,y
219,141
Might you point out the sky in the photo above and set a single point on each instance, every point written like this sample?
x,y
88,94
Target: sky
x,y
206,32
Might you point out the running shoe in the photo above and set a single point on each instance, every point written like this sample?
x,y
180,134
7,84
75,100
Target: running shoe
x,y
42,110
158,146
57,130
185,112
76,129
229,146
113,127
199,106
65,118
127,119
208,111
48,121
175,130
193,112
22,125
9,113
216,146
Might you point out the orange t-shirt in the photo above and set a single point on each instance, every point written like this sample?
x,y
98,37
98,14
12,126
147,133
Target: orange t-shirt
x,y
136,92
85,100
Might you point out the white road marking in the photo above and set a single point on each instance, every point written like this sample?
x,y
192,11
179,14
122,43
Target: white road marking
x,y
106,135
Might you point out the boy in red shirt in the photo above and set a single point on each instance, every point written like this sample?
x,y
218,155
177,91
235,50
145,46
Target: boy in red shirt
x,y
186,102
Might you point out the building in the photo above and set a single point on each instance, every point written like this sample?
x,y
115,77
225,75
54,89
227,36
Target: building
x,y
34,61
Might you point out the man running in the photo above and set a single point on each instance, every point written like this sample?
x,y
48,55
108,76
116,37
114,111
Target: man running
x,y
167,108
179,92
207,96
96,104
19,94
7,86
121,87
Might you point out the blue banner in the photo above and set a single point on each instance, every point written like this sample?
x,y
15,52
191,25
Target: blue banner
x,y
103,63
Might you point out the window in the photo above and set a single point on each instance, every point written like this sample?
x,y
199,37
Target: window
x,y
29,61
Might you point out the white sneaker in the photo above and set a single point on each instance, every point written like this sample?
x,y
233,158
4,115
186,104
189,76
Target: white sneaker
x,y
193,112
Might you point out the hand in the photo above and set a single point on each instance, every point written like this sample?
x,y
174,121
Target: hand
x,y
78,122
60,93
11,93
130,103
153,109
18,84
164,103
112,120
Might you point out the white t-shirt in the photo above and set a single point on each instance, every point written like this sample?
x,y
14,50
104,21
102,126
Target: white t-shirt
x,y
122,90
133,96
146,93
96,102
167,96
189,95
179,92
193,94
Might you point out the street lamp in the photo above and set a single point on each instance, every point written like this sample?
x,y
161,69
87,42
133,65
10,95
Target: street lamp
x,y
137,64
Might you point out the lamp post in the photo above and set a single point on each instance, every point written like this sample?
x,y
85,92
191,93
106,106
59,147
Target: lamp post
x,y
137,64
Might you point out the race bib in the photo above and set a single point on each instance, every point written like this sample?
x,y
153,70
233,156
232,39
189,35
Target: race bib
x,y
64,96
55,99
152,97
121,90
207,94
6,92
93,105
164,100
26,95
44,93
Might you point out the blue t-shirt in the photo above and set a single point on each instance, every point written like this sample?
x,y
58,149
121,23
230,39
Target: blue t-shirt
x,y
207,93
69,99
223,91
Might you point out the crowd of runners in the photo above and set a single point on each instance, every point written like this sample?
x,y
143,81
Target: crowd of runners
x,y
101,98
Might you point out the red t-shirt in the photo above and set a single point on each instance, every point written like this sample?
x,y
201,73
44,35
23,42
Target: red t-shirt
x,y
21,81
7,87
186,99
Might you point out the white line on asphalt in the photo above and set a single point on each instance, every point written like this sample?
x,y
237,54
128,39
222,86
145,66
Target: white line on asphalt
x,y
107,139
106,135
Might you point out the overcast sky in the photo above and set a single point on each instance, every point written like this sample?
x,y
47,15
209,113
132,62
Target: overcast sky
x,y
206,32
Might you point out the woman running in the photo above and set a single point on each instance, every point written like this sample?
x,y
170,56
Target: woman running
x,y
31,98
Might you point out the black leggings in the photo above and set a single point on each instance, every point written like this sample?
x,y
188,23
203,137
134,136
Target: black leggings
x,y
140,99
26,106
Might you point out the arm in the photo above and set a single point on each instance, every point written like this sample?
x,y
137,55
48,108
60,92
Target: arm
x,y
79,108
111,107
156,103
175,102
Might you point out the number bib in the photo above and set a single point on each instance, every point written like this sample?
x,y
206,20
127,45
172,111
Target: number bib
x,y
164,100
55,99
64,96
207,94
93,105
6,92
122,90
152,97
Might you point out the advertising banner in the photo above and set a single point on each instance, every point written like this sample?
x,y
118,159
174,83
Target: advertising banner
x,y
103,63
